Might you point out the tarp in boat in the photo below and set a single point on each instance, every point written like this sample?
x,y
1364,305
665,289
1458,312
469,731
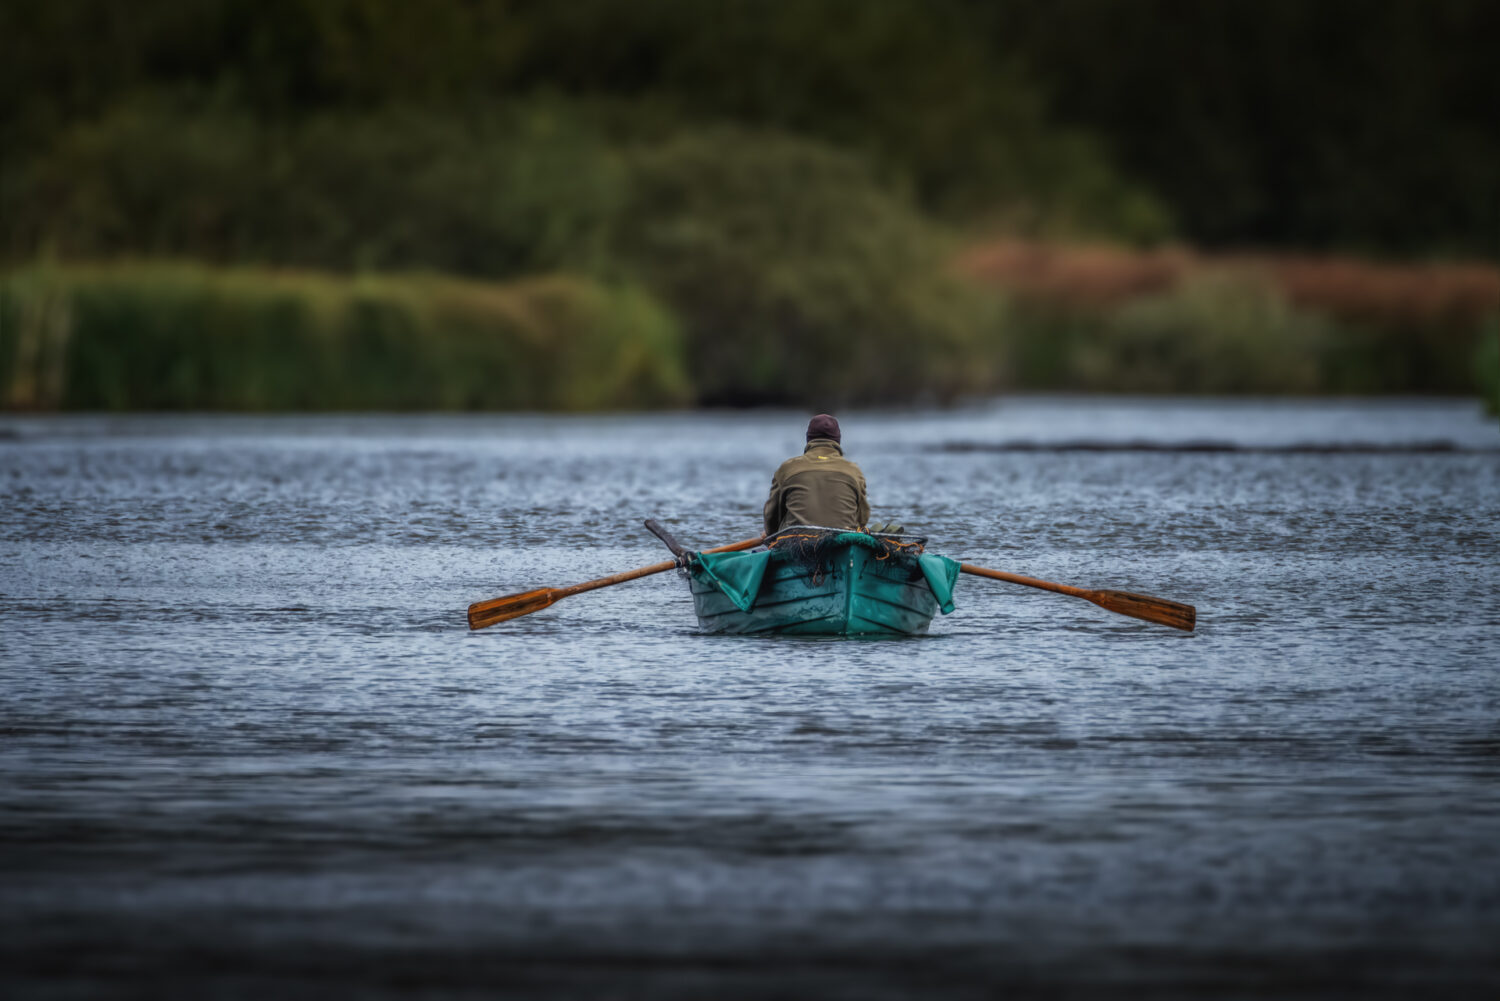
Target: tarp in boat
x,y
739,575
941,574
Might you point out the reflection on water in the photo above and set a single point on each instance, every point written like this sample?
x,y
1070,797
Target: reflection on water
x,y
248,744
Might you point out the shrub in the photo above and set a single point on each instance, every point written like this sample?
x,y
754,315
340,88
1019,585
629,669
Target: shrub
x,y
1212,334
797,277
522,190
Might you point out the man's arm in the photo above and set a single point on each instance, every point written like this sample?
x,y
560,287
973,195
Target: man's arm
x,y
862,505
771,516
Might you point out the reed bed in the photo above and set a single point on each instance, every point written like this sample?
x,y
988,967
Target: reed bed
x,y
169,336
157,336
1175,320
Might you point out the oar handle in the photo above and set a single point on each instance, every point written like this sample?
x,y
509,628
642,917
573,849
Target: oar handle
x,y
735,547
654,527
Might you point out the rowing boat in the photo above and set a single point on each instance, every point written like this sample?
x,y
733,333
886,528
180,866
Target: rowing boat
x,y
823,582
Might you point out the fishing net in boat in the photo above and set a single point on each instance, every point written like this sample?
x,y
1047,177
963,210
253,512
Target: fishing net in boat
x,y
812,548
812,551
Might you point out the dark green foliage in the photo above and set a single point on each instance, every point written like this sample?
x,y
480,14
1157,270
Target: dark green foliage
x,y
777,182
512,192
906,85
798,278
795,274
1360,124
1356,125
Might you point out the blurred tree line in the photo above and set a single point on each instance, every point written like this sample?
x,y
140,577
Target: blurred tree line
x,y
1340,124
786,178
1370,126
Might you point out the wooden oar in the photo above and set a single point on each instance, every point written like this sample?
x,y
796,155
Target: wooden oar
x,y
1137,606
487,613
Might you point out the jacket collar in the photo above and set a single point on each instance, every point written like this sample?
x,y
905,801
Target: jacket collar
x,y
823,443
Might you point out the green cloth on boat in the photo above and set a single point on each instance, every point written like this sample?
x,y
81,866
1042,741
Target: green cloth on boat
x,y
738,575
941,574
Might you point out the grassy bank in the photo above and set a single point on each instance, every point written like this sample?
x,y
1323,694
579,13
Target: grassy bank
x,y
1112,319
1487,363
169,336
819,329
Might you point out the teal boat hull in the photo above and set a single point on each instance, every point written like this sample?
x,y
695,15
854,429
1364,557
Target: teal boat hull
x,y
852,592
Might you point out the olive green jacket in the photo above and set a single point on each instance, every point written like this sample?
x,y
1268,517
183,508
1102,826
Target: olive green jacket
x,y
818,487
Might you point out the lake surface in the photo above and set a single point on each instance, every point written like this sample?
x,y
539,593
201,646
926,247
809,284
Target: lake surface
x,y
248,747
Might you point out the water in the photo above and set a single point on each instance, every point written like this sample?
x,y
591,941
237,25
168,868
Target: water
x,y
249,748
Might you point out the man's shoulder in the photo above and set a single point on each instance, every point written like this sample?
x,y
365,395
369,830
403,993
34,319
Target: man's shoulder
x,y
798,463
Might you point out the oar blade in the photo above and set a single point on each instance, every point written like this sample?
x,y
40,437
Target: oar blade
x,y
1143,606
513,606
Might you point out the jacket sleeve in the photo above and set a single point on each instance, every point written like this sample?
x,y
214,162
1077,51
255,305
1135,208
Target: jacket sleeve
x,y
771,516
862,506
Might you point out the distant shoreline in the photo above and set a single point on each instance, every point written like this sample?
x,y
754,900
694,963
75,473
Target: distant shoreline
x,y
163,335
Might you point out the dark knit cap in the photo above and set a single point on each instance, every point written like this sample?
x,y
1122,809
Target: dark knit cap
x,y
823,426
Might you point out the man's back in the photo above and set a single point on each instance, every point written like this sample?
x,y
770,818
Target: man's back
x,y
818,487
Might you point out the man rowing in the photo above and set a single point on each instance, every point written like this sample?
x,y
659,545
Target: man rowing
x,y
819,487
822,489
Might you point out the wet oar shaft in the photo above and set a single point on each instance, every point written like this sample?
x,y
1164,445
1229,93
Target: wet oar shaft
x,y
1137,606
513,606
1015,578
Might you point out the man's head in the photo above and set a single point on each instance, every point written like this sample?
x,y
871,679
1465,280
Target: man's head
x,y
823,426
